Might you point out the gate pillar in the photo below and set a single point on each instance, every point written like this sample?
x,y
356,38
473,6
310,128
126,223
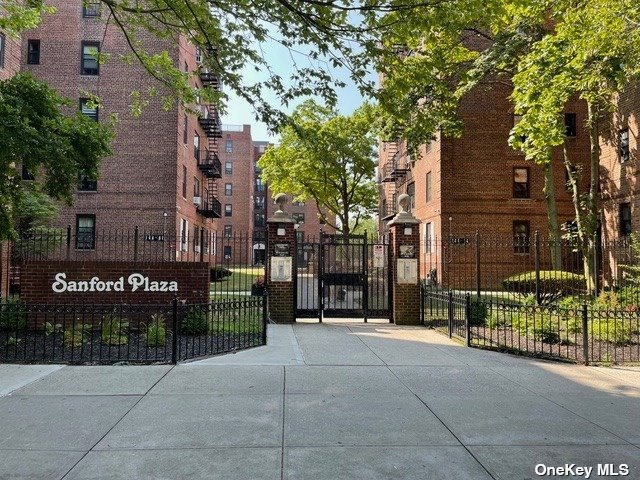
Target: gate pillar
x,y
405,264
281,264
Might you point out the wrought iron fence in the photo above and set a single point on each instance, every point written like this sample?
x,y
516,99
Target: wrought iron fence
x,y
579,332
107,334
509,269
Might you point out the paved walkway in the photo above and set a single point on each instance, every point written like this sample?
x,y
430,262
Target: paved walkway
x,y
347,401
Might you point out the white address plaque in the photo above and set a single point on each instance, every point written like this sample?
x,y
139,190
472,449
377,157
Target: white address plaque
x,y
407,271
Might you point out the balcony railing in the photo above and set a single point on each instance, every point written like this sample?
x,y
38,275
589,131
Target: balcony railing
x,y
210,121
210,79
210,207
209,164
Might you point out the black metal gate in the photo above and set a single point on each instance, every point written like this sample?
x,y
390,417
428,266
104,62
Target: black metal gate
x,y
343,276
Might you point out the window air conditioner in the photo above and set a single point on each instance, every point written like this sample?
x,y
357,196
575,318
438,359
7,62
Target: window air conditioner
x,y
197,201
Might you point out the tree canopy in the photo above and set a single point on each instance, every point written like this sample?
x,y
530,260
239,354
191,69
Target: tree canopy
x,y
37,138
328,158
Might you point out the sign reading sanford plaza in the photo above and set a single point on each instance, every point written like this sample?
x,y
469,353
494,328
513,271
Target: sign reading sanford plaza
x,y
136,282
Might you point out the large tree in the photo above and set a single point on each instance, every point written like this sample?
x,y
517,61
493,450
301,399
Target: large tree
x,y
328,158
37,138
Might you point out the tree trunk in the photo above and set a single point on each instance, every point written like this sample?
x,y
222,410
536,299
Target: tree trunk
x,y
555,248
585,205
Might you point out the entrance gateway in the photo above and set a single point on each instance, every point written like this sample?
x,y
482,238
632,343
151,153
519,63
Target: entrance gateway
x,y
343,276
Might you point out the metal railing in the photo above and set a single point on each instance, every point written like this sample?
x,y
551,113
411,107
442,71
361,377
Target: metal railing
x,y
583,333
107,334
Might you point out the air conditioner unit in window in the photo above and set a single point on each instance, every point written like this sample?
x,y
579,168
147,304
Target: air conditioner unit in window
x,y
196,248
197,201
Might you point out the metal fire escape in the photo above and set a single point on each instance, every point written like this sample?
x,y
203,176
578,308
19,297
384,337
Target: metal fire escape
x,y
208,160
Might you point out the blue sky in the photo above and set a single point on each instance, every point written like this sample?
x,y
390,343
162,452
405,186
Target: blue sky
x,y
282,61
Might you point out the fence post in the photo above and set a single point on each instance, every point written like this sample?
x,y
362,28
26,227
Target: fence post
x,y
467,319
135,243
422,294
478,263
536,237
596,260
585,334
68,242
450,313
265,298
174,328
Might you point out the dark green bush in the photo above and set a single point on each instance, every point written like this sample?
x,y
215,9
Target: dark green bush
x,y
195,322
13,315
556,282
478,314
219,273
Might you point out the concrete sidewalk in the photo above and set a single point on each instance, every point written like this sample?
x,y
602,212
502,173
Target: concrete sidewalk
x,y
331,401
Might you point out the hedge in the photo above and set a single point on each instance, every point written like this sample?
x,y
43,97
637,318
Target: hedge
x,y
551,281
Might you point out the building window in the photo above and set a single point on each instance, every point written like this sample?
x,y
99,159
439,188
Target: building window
x,y
228,146
428,238
228,168
228,209
227,252
89,64
521,236
259,185
259,220
623,145
184,235
185,130
520,183
625,219
570,124
227,231
298,217
196,146
85,232
196,239
196,187
26,174
429,187
198,55
85,184
411,191
89,109
33,52
258,202
91,9
184,181
228,189
2,48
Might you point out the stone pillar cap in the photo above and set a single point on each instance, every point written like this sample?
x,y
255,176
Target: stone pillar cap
x,y
280,216
404,216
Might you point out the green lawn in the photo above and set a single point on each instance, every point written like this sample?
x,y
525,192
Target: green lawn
x,y
240,280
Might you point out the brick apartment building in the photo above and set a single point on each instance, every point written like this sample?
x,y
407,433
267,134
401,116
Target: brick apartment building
x,y
619,167
162,176
477,183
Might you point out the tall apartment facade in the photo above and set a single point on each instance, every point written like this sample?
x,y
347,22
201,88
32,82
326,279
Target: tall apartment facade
x,y
477,183
162,176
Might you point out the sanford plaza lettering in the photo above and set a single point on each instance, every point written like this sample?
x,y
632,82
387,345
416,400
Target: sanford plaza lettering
x,y
135,282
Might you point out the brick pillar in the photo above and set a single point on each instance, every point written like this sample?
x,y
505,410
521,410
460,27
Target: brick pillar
x,y
404,232
281,267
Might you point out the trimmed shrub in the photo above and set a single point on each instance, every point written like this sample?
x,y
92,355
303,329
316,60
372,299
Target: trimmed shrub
x,y
115,330
156,331
195,322
219,273
556,282
478,314
543,328
13,315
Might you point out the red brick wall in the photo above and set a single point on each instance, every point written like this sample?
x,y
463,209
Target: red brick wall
x,y
406,298
37,278
282,305
11,57
142,180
